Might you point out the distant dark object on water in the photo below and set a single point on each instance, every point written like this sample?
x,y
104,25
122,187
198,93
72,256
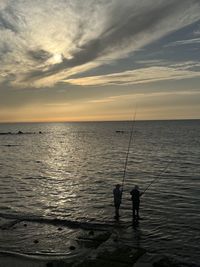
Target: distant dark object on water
x,y
5,133
72,247
59,229
120,131
35,241
20,132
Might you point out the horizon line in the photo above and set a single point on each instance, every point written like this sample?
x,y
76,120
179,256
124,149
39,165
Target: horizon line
x,y
96,121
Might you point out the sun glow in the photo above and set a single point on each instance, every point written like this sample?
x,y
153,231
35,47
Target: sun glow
x,y
57,58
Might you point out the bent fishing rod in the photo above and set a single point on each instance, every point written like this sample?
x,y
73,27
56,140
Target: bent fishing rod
x,y
127,154
159,176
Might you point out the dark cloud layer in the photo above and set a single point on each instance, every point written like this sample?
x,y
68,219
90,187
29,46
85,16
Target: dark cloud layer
x,y
39,55
9,19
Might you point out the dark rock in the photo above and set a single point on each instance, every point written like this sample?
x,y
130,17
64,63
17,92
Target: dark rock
x,y
58,263
91,232
165,262
60,229
72,247
122,254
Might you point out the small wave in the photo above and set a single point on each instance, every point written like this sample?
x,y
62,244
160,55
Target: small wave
x,y
40,255
55,221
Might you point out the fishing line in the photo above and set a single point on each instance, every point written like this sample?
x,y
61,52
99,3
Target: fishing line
x,y
159,176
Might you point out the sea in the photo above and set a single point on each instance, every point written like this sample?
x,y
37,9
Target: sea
x,y
67,171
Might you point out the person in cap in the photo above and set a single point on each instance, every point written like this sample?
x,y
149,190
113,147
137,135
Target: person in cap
x,y
117,194
135,197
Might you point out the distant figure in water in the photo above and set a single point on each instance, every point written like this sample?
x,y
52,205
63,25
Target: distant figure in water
x,y
135,197
117,194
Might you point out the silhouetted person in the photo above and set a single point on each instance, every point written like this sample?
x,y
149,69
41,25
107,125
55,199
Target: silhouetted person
x,y
117,194
135,197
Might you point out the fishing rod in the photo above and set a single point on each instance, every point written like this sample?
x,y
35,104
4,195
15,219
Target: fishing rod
x,y
127,154
163,171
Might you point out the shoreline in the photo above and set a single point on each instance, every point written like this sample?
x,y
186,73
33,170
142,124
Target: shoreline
x,y
112,251
89,245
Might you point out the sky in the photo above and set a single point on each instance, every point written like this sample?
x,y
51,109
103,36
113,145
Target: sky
x,y
93,60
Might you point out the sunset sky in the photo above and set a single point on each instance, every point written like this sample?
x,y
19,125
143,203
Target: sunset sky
x,y
80,60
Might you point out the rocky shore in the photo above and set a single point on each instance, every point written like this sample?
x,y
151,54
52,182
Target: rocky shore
x,y
100,248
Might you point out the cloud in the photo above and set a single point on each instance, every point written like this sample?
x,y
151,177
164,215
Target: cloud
x,y
185,42
39,55
44,42
104,100
143,75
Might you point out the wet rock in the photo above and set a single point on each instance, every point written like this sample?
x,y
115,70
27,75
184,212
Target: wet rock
x,y
166,262
115,239
57,263
72,247
91,232
8,224
100,263
145,260
93,239
155,260
122,254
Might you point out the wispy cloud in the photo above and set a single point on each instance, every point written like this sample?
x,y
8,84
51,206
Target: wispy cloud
x,y
44,42
196,31
143,75
57,104
103,100
185,42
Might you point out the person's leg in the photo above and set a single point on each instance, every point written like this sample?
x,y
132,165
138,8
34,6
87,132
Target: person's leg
x,y
137,213
117,212
133,211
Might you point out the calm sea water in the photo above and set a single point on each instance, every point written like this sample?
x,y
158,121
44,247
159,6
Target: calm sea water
x,y
69,170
